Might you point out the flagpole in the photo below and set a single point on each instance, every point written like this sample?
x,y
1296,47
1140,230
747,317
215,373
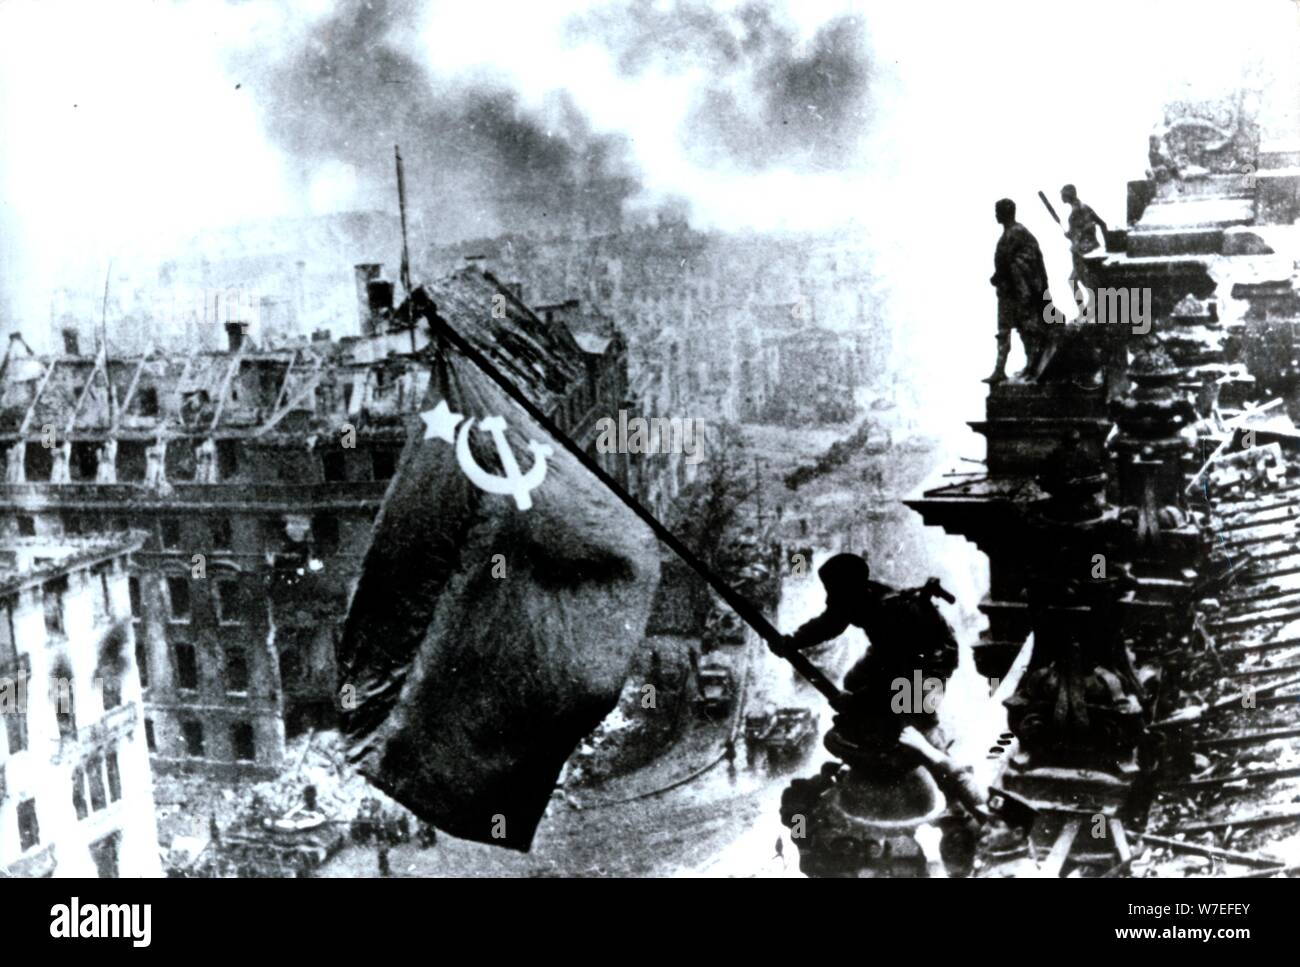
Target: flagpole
x,y
406,253
741,605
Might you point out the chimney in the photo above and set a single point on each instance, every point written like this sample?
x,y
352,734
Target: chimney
x,y
70,345
235,335
365,274
380,293
300,294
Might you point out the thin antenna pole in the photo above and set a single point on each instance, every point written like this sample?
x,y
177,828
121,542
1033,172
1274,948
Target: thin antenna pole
x,y
406,253
103,309
401,204
742,606
103,345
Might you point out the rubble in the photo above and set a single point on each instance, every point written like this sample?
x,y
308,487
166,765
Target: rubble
x,y
1155,561
268,828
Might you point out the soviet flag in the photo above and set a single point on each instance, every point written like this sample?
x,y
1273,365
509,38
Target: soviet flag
x,y
500,601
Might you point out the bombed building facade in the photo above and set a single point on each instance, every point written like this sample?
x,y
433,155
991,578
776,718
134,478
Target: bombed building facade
x,y
254,475
731,321
76,790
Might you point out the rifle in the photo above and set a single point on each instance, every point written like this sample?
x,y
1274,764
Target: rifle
x,y
1050,210
1101,223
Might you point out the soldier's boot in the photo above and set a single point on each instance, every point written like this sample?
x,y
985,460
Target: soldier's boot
x,y
1035,345
999,373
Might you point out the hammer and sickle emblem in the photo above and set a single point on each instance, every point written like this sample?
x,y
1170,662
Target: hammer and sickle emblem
x,y
516,484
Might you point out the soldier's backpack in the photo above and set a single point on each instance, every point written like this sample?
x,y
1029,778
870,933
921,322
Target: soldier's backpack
x,y
908,634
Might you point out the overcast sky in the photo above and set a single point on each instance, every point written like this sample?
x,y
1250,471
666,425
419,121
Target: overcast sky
x,y
129,121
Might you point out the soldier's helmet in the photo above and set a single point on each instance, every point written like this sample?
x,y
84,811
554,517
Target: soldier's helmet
x,y
844,575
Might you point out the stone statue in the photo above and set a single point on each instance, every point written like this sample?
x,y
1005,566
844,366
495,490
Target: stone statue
x,y
106,470
15,469
155,465
60,472
1203,138
205,460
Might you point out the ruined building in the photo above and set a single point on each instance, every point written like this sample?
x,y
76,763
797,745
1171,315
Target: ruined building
x,y
255,475
76,791
731,320
1119,504
284,277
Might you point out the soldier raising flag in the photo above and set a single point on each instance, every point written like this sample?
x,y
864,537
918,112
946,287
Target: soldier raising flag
x,y
465,686
465,691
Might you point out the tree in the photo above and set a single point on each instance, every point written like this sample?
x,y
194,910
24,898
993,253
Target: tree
x,y
707,512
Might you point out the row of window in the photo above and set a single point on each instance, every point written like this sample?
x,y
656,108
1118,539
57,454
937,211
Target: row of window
x,y
91,776
104,852
53,595
383,462
230,598
63,695
131,464
243,745
325,530
181,464
220,529
273,534
187,667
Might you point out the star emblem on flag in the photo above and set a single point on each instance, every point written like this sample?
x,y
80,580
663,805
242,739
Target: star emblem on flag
x,y
441,422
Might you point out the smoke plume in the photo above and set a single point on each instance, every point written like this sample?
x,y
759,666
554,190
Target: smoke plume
x,y
766,97
355,85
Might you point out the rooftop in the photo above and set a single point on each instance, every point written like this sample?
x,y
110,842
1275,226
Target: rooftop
x,y
29,561
373,380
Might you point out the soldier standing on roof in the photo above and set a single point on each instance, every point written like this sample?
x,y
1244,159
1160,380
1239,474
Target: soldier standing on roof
x,y
1081,230
1020,278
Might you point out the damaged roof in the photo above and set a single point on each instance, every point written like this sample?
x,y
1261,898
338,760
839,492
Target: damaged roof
x,y
542,358
27,561
368,381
